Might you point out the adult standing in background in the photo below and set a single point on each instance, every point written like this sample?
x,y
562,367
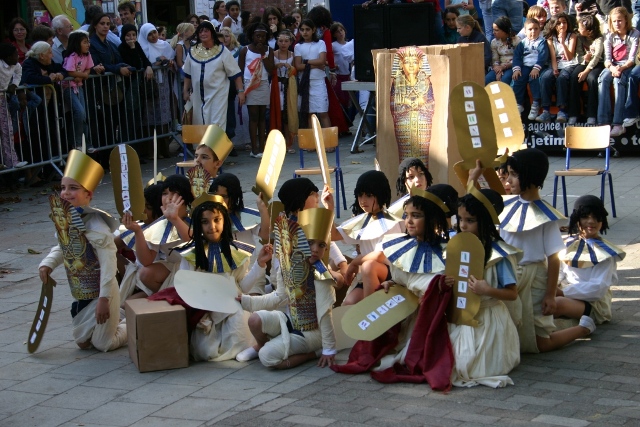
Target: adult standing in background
x,y
219,13
127,12
18,35
493,9
90,15
62,27
208,68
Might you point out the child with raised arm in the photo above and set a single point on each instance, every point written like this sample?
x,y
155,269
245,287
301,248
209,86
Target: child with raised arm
x,y
87,251
531,224
303,331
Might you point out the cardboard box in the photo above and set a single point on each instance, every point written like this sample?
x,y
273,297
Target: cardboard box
x,y
157,335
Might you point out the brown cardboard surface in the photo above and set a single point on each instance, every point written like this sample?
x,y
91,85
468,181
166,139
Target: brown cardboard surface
x,y
157,335
447,71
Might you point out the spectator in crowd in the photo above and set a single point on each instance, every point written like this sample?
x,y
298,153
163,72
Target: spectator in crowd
x,y
90,14
127,12
470,32
42,33
62,27
219,13
502,46
272,18
18,35
233,20
620,48
193,20
450,29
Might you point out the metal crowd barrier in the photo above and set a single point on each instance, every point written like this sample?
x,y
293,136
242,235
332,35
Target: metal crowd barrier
x,y
110,110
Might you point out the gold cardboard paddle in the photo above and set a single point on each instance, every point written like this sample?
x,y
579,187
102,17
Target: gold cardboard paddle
x,y
322,154
465,257
270,165
506,117
342,339
378,312
42,316
207,291
126,177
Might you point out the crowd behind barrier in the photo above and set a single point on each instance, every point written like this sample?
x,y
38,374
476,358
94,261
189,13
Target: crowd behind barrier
x,y
114,110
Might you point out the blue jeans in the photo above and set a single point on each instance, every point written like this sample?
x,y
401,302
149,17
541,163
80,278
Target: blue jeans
x,y
520,85
512,9
632,106
78,115
487,18
604,99
506,77
548,82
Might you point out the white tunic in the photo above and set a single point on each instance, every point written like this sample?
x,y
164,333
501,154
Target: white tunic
x,y
210,83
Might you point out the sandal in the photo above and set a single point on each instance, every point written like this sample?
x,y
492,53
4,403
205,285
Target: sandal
x,y
291,151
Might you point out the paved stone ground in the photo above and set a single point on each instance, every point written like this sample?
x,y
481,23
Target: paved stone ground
x,y
594,382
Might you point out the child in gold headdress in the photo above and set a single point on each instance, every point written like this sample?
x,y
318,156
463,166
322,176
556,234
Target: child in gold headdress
x,y
213,150
88,252
304,330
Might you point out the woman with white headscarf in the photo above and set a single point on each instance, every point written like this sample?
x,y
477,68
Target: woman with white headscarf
x,y
160,54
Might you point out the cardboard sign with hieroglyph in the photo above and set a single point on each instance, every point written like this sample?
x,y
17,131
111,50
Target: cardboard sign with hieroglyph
x,y
270,165
465,258
126,177
42,316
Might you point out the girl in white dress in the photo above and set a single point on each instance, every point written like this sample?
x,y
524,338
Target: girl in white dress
x,y
485,354
310,56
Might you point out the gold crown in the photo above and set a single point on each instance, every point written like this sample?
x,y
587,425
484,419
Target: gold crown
x,y
471,189
316,223
159,178
82,168
216,139
206,197
415,191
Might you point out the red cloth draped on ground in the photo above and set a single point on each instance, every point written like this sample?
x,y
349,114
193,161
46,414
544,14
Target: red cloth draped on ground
x,y
275,117
255,68
171,296
430,354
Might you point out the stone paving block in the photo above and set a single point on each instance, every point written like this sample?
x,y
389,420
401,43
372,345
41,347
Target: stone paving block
x,y
585,375
407,391
331,395
118,413
88,368
620,379
471,418
195,408
308,391
235,417
13,402
532,400
195,375
376,403
4,384
257,370
603,386
7,358
617,402
560,421
275,404
435,421
41,416
387,413
499,404
22,371
57,355
274,416
424,410
509,414
158,394
611,394
233,389
561,410
353,416
292,384
309,420
85,398
124,379
564,388
628,412
257,401
49,383
165,422
296,409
